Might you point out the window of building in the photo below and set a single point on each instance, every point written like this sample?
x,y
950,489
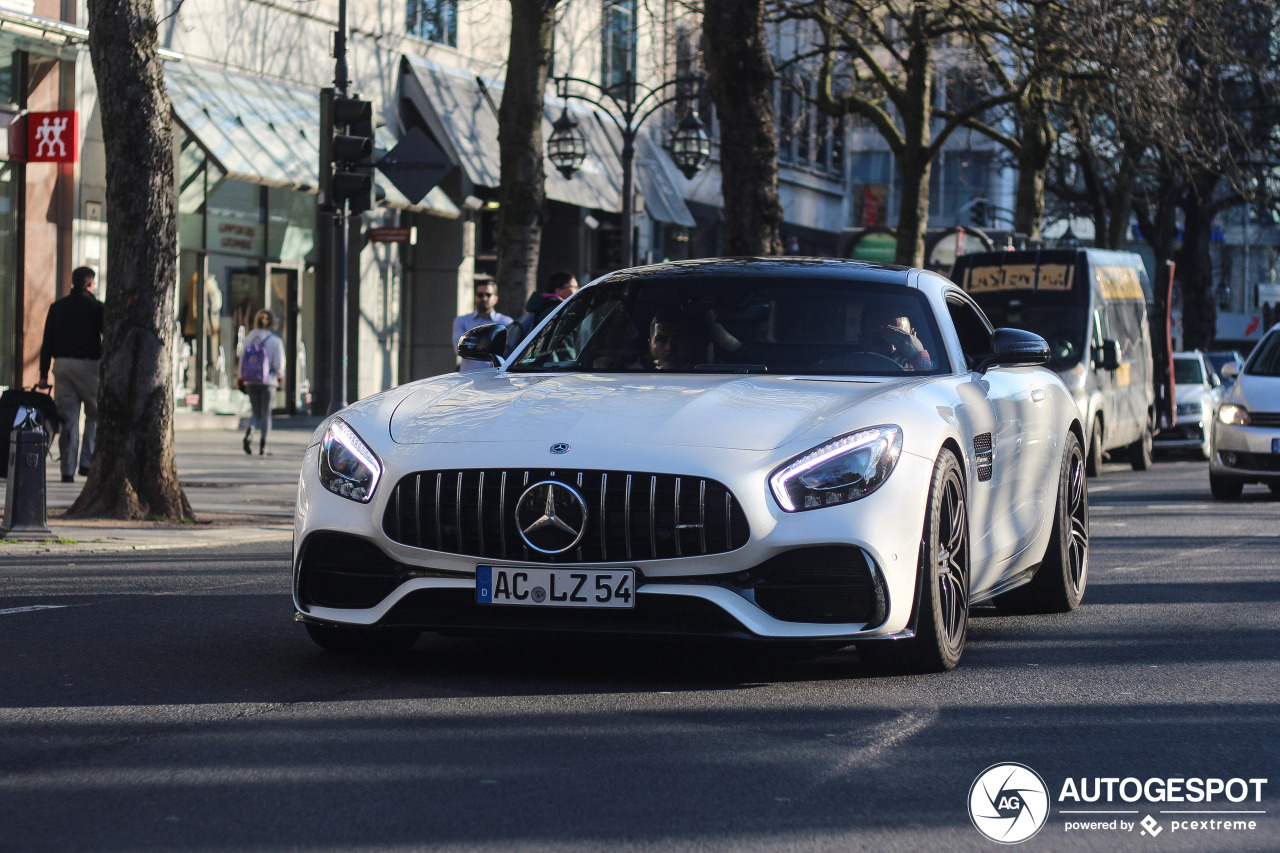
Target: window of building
x,y
10,72
618,56
433,20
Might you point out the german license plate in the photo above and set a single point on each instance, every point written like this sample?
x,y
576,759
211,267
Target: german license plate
x,y
539,587
1275,445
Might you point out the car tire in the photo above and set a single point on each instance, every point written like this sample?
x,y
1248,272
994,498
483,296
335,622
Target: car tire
x,y
1058,585
1206,445
942,583
1225,488
1140,450
1093,461
343,640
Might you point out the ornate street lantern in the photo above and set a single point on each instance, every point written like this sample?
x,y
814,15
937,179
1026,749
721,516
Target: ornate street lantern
x,y
567,146
690,147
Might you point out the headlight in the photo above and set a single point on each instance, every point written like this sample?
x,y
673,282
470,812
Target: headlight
x,y
1234,415
842,470
347,466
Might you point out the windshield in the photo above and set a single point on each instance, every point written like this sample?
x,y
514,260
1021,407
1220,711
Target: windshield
x,y
1064,326
1187,371
726,324
1265,360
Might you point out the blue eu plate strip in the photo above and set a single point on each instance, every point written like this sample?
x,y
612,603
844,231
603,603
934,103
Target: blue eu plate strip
x,y
484,584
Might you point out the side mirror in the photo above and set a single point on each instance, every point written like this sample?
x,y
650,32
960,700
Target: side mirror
x,y
1230,370
484,343
1015,348
1110,355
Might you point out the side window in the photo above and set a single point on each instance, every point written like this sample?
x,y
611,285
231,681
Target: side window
x,y
973,330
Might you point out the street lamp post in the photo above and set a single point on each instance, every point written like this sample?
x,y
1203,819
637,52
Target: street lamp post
x,y
628,105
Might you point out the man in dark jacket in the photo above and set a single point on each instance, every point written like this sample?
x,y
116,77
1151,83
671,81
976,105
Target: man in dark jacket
x,y
73,342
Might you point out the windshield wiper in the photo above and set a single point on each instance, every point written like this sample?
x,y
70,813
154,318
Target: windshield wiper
x,y
731,368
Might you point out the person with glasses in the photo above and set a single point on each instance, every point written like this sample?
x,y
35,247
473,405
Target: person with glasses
x,y
486,301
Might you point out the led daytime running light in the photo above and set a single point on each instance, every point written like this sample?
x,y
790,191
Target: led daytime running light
x,y
853,442
340,432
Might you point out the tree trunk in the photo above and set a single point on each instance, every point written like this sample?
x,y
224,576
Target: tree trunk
x,y
1036,149
915,158
1195,268
741,77
134,473
522,197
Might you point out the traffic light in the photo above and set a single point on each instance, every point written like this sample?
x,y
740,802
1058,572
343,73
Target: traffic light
x,y
978,213
350,142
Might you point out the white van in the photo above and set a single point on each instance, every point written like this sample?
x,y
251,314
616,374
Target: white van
x,y
1092,306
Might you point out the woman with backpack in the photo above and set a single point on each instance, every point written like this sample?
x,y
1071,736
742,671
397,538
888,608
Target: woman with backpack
x,y
261,356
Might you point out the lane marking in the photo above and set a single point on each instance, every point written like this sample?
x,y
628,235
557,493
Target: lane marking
x,y
32,608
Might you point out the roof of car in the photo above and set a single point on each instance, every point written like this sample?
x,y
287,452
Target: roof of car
x,y
792,267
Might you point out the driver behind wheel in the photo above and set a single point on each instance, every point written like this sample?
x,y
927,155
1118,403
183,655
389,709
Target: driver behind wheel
x,y
888,331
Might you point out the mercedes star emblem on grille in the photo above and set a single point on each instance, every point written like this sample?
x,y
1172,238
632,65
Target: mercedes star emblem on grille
x,y
560,447
551,517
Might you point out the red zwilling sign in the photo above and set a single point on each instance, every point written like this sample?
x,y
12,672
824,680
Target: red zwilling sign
x,y
51,137
391,235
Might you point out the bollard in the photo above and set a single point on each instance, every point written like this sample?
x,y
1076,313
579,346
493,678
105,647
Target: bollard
x,y
24,504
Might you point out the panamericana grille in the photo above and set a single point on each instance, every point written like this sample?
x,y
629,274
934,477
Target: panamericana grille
x,y
630,515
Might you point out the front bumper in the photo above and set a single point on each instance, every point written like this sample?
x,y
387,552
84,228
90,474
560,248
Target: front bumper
x,y
840,573
1247,453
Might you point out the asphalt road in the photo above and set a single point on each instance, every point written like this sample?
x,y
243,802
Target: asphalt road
x,y
165,700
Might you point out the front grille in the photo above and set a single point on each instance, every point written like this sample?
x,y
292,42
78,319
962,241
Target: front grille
x,y
1264,419
630,515
1256,461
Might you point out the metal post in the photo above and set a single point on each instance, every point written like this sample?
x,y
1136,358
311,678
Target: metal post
x,y
628,202
338,398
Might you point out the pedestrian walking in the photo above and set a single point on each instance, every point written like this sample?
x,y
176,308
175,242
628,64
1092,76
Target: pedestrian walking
x,y
261,355
486,299
73,343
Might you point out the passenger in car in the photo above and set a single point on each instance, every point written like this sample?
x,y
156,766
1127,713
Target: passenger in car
x,y
888,331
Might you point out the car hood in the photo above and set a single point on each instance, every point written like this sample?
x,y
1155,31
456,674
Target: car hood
x,y
1190,393
744,413
1257,393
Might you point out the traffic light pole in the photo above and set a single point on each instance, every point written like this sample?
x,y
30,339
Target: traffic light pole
x,y
338,398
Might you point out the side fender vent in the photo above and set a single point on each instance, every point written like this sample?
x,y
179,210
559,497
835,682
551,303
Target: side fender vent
x,y
983,456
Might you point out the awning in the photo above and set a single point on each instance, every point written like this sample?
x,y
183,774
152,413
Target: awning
x,y
41,35
263,131
461,112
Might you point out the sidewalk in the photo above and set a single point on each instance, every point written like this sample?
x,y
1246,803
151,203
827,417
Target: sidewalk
x,y
236,498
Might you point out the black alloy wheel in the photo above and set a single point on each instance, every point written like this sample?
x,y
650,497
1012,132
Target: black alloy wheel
x,y
1059,582
942,587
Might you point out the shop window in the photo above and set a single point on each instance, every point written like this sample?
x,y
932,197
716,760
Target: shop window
x,y
235,221
433,20
619,49
10,73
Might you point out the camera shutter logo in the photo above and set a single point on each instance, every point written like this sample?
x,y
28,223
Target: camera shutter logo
x,y
1008,803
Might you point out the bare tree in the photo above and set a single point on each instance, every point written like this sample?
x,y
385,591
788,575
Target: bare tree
x,y
740,75
878,59
134,473
522,195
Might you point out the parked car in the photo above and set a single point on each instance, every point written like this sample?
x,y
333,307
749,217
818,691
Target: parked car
x,y
791,450
1246,431
1220,359
1197,390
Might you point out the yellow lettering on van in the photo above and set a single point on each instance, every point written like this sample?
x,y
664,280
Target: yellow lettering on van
x,y
1122,375
1119,282
1020,276
1055,277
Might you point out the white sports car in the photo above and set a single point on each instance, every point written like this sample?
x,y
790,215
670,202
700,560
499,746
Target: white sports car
x,y
775,449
